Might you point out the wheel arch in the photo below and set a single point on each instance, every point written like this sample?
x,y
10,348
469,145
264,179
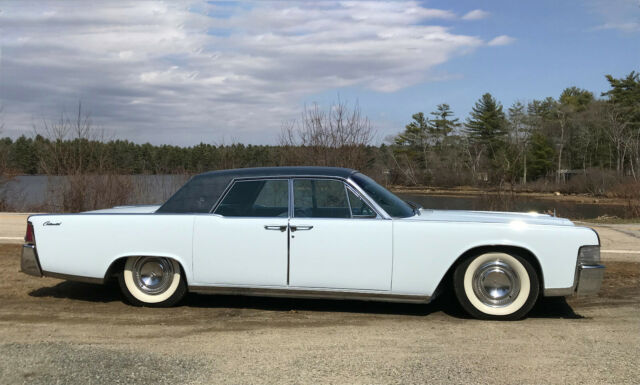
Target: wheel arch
x,y
447,281
117,265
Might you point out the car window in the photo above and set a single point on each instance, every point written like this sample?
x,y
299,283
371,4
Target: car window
x,y
320,198
359,208
394,206
256,198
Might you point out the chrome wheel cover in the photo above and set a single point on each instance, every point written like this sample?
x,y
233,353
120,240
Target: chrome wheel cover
x,y
153,275
496,284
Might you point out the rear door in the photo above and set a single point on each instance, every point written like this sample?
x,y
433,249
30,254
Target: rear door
x,y
336,239
245,241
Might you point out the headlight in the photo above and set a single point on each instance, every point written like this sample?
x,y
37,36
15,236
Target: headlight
x,y
589,255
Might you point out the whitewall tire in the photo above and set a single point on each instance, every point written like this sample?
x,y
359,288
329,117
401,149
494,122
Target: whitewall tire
x,y
496,285
152,281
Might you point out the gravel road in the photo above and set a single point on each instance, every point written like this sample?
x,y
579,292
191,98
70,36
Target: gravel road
x,y
53,331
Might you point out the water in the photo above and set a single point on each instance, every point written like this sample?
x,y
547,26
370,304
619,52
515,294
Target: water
x,y
43,193
29,192
519,203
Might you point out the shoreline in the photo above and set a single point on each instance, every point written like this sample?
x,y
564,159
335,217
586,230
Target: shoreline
x,y
468,192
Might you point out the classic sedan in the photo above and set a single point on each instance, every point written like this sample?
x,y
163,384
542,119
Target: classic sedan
x,y
315,232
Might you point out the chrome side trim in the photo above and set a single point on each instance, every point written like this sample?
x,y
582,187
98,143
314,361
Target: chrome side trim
x,y
311,294
29,263
75,278
559,292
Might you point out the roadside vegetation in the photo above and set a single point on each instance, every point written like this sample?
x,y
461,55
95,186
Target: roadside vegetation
x,y
578,143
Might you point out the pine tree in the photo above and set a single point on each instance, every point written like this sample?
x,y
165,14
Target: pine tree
x,y
487,124
440,126
540,156
416,133
576,98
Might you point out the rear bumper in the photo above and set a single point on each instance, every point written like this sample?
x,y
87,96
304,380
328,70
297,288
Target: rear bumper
x,y
589,279
29,263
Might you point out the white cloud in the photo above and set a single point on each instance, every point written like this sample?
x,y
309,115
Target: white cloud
x,y
476,14
501,40
621,26
621,15
201,72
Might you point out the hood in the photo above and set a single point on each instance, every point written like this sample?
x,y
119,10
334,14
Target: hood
x,y
489,217
135,209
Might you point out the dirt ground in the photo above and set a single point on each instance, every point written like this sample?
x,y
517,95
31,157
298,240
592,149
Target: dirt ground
x,y
53,331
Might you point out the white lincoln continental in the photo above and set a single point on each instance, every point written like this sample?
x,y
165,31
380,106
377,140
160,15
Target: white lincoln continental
x,y
315,232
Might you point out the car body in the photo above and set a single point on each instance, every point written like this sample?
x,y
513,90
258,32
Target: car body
x,y
318,232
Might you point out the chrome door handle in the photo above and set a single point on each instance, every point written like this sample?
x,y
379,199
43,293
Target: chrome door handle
x,y
275,227
300,227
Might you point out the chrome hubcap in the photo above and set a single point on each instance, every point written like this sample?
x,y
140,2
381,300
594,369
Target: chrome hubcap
x,y
496,284
153,275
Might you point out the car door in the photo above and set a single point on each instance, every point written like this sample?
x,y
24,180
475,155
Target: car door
x,y
336,240
244,242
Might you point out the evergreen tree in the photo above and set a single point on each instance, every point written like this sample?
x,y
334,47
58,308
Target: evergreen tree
x,y
625,95
487,124
23,157
540,155
441,125
415,133
576,98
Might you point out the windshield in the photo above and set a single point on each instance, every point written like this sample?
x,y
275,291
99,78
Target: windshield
x,y
393,205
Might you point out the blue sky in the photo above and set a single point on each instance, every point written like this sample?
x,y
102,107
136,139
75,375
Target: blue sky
x,y
557,44
221,72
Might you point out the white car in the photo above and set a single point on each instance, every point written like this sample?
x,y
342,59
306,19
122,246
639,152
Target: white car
x,y
316,232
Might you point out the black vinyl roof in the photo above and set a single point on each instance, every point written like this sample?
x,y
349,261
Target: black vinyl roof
x,y
202,191
282,171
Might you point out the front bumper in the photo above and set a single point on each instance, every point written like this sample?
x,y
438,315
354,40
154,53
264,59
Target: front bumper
x,y
29,263
589,279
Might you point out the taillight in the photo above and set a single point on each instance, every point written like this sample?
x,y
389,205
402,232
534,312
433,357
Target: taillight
x,y
30,237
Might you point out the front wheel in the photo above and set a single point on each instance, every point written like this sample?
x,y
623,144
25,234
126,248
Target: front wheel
x,y
152,281
496,286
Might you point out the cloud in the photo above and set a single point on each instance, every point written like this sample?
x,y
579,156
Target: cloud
x,y
476,14
501,40
623,26
185,73
621,15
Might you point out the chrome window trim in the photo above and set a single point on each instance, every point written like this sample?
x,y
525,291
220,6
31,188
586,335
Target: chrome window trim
x,y
365,201
235,180
348,183
346,192
381,214
376,207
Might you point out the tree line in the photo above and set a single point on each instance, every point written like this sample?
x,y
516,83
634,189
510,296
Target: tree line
x,y
579,140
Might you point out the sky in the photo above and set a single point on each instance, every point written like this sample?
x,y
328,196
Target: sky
x,y
223,72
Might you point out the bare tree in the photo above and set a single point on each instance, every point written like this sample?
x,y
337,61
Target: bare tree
x,y
619,135
74,142
336,137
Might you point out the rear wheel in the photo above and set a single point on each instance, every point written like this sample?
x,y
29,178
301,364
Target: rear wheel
x,y
152,281
496,285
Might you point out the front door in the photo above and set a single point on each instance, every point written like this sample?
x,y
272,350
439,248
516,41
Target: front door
x,y
246,242
336,239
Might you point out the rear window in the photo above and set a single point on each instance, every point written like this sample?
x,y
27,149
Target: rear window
x,y
197,196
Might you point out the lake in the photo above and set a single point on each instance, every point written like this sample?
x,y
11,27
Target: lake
x,y
29,192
